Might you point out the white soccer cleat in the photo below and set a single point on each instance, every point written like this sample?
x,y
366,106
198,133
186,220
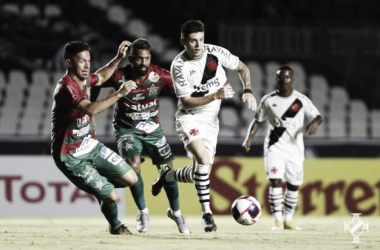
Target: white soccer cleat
x,y
180,221
142,222
290,225
278,225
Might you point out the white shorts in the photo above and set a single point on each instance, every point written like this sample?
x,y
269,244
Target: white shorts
x,y
278,167
192,127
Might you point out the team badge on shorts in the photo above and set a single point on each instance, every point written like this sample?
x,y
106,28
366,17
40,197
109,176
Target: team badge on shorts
x,y
128,146
99,185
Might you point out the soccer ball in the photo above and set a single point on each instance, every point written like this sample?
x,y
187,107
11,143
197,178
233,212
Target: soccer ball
x,y
246,210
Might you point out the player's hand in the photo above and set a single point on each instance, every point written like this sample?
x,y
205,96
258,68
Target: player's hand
x,y
122,52
252,104
311,129
127,87
247,145
226,92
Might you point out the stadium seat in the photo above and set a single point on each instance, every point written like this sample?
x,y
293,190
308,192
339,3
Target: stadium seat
x,y
52,10
118,14
169,54
358,125
270,69
167,115
229,122
319,91
299,77
30,10
102,4
11,8
375,123
104,119
3,86
137,28
257,78
246,118
337,115
234,80
158,43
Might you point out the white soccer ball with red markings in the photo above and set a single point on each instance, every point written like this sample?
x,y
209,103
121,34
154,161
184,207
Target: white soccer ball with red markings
x,y
246,210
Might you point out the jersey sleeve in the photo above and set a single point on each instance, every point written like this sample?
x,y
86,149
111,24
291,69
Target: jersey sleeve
x,y
261,114
114,79
310,110
93,79
180,80
227,59
167,79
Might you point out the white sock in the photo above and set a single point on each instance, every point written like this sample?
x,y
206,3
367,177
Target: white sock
x,y
145,211
276,199
291,199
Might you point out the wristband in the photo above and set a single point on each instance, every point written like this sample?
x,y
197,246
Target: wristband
x,y
247,91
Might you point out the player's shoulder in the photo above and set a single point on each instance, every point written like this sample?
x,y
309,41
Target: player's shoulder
x,y
300,96
270,95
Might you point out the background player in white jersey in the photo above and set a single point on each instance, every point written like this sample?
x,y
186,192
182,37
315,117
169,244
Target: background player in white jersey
x,y
285,110
200,83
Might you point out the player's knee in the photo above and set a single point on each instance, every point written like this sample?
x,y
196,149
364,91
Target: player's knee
x,y
111,199
135,163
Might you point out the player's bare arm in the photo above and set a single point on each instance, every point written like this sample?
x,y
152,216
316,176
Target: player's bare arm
x,y
94,108
252,130
312,127
245,77
226,92
106,71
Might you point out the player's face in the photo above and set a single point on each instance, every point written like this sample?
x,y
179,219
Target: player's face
x,y
284,79
140,61
193,44
80,65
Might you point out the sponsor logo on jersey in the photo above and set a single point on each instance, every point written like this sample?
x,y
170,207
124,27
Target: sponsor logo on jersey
x,y
207,86
142,115
82,121
180,80
161,142
153,90
154,77
82,131
139,106
219,50
105,152
72,92
138,97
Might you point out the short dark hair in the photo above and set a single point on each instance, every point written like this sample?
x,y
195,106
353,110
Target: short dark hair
x,y
140,43
75,47
285,67
192,26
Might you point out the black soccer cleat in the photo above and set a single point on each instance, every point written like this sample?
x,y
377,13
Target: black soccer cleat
x,y
120,230
160,181
208,223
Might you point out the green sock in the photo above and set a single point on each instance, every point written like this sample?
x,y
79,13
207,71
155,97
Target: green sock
x,y
137,191
171,189
111,213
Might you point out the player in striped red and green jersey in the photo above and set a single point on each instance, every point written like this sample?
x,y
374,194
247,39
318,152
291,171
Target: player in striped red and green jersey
x,y
137,127
85,161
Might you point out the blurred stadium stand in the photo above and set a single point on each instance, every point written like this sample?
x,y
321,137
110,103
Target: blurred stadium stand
x,y
333,47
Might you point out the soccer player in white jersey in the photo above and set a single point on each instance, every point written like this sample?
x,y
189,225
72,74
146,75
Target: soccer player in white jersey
x,y
200,83
285,110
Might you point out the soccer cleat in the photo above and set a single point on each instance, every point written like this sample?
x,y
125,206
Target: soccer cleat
x,y
120,230
142,222
180,221
278,225
290,225
160,181
208,223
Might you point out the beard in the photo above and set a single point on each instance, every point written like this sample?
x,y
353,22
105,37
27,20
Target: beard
x,y
142,71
